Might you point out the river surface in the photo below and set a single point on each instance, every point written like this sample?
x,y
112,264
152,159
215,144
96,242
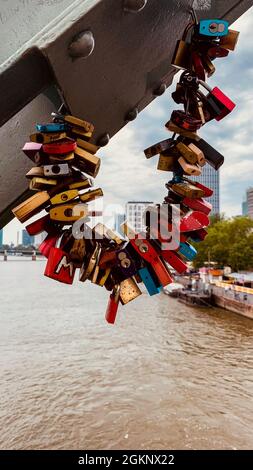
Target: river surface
x,y
166,376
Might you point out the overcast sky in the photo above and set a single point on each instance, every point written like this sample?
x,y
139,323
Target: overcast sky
x,y
125,172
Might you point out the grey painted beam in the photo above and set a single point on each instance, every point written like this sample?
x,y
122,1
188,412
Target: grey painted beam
x,y
131,59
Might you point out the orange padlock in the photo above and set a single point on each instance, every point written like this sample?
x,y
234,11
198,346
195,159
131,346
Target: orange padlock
x,y
59,266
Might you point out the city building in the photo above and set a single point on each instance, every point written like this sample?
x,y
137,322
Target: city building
x,y
119,219
27,240
211,178
134,214
38,239
244,208
1,237
250,202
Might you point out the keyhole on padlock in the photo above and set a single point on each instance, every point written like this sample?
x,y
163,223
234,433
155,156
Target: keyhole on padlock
x,y
213,27
64,197
125,263
68,212
56,169
143,248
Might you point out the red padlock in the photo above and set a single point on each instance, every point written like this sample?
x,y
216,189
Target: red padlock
x,y
149,254
198,205
49,242
224,103
39,226
174,260
59,266
194,221
112,306
62,147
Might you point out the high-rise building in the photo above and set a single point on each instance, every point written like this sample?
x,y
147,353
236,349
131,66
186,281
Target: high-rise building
x,y
134,214
1,237
250,202
244,208
119,219
27,240
38,239
211,178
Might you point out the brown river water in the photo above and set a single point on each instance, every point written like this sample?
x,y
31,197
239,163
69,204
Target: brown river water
x,y
166,376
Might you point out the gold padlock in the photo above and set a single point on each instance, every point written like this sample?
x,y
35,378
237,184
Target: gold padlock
x,y
166,163
79,132
103,276
189,155
68,213
129,291
84,183
89,265
91,195
177,130
61,158
94,277
230,41
36,171
77,252
128,230
47,138
208,65
187,190
65,196
101,231
74,121
87,162
40,183
189,169
200,155
182,55
31,206
83,144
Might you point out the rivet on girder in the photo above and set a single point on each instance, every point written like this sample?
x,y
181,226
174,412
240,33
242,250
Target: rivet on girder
x,y
132,115
159,91
103,140
134,6
82,45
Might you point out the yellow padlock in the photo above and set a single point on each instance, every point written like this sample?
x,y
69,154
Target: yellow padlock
x,y
40,183
68,213
64,197
91,195
74,121
81,184
192,170
47,138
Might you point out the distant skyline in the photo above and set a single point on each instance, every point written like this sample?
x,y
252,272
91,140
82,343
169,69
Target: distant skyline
x,y
127,175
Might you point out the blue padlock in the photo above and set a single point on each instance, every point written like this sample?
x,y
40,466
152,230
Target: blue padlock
x,y
53,127
188,251
149,282
216,28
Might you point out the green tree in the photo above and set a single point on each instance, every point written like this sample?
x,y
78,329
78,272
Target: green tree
x,y
229,242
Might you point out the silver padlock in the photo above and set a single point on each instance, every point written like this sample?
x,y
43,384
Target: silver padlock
x,y
55,170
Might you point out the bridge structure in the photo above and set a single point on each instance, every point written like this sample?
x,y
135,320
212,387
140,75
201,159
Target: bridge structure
x,y
105,59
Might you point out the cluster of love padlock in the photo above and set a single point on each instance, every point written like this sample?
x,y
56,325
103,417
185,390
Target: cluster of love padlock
x,y
64,157
185,154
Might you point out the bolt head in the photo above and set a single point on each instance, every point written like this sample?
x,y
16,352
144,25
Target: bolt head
x,y
82,45
134,6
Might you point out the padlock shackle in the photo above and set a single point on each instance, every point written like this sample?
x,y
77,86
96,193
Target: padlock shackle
x,y
186,31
